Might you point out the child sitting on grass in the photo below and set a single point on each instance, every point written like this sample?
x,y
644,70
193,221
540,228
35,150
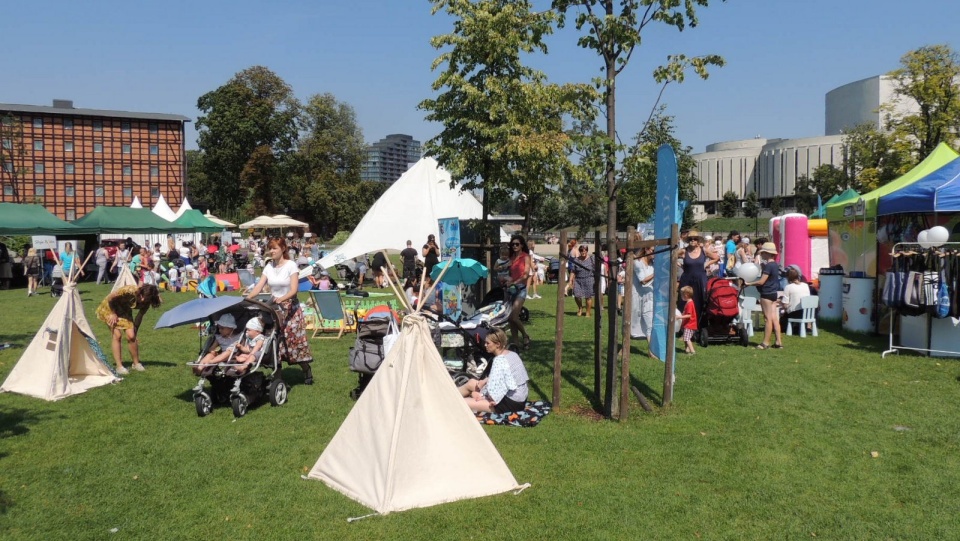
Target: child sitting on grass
x,y
227,338
249,346
689,318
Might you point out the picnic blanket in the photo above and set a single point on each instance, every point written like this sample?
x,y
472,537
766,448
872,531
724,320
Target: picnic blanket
x,y
531,415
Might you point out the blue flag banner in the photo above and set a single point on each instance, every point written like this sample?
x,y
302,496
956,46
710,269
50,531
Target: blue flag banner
x,y
667,213
449,242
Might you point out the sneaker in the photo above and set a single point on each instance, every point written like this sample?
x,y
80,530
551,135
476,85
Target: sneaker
x,y
139,367
122,371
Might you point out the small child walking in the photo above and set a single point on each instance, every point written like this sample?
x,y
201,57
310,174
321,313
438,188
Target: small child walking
x,y
689,319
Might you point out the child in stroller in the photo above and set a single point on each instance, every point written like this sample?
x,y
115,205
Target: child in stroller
x,y
241,373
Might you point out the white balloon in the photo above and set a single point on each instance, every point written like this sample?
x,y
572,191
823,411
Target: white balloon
x,y
922,239
938,235
749,272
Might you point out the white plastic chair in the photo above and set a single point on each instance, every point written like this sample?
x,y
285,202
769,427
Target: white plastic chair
x,y
747,307
809,306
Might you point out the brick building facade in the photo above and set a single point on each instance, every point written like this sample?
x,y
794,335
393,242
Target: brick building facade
x,y
72,160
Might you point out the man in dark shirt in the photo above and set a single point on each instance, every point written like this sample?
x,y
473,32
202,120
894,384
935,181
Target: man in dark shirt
x,y
409,257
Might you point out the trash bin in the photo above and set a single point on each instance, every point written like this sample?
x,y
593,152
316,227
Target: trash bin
x,y
831,294
858,303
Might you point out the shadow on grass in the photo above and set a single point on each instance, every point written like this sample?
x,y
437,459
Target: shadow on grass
x,y
15,422
577,368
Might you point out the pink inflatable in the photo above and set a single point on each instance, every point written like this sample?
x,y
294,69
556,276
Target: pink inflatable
x,y
795,242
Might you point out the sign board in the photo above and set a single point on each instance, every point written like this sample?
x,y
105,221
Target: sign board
x,y
44,242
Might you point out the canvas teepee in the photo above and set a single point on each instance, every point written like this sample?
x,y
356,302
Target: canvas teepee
x,y
405,442
64,358
124,278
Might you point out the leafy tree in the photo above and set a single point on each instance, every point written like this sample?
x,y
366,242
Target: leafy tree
x,y
729,205
257,179
872,159
13,154
198,183
828,181
254,109
776,205
805,196
614,29
502,123
325,170
927,76
751,208
638,185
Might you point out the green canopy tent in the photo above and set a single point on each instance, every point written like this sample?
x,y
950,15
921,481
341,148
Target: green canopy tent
x,y
849,195
28,219
937,159
127,220
194,220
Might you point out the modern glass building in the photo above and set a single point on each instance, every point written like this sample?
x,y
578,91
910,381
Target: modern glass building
x,y
71,160
390,157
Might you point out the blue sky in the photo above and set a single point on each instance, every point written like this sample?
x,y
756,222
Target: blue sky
x,y
782,57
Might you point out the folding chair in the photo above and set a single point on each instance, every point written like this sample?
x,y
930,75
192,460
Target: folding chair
x,y
246,278
809,315
328,306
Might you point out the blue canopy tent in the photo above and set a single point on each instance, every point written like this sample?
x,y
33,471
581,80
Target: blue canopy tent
x,y
938,191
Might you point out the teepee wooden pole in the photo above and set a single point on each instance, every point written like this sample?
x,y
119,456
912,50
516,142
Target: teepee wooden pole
x,y
77,274
400,297
435,282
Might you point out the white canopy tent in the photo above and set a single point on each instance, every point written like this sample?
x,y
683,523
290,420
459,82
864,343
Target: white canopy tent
x,y
185,206
219,221
408,210
136,203
163,210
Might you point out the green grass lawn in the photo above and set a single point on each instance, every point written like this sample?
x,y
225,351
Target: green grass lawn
x,y
769,444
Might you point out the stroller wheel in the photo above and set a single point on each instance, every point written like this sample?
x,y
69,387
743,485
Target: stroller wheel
x,y
744,338
524,314
204,404
460,378
703,337
240,404
277,391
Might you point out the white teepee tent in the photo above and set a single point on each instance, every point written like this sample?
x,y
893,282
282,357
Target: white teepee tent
x,y
64,358
124,278
404,443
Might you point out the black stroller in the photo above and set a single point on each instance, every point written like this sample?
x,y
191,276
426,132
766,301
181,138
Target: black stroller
x,y
496,294
231,382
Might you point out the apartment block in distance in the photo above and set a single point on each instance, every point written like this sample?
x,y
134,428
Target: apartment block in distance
x,y
390,157
72,160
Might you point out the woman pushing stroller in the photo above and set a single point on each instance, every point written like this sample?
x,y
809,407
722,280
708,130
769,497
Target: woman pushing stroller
x,y
283,276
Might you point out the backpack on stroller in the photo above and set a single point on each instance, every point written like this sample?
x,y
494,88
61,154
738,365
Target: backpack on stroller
x,y
368,349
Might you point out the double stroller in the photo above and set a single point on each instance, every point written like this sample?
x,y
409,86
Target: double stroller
x,y
722,320
261,378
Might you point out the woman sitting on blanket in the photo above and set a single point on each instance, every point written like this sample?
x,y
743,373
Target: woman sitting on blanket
x,y
505,390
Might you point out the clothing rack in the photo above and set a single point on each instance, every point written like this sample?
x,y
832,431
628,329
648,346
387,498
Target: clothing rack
x,y
898,249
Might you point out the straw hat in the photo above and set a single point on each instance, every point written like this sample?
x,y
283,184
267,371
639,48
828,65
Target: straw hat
x,y
769,247
693,234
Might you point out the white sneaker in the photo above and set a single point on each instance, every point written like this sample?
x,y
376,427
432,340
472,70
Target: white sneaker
x,y
122,371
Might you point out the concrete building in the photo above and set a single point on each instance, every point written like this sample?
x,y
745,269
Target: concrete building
x,y
72,160
770,167
390,157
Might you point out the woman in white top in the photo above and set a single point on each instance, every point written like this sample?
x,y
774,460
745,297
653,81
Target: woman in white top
x,y
641,320
283,277
744,253
792,294
505,390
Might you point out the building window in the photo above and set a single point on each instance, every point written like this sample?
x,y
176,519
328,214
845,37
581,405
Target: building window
x,y
125,125
98,169
154,170
38,190
154,192
154,150
69,191
71,215
8,167
68,146
38,123
38,145
98,191
7,189
127,192
68,123
127,170
97,125
68,168
38,168
154,128
98,147
7,144
126,148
